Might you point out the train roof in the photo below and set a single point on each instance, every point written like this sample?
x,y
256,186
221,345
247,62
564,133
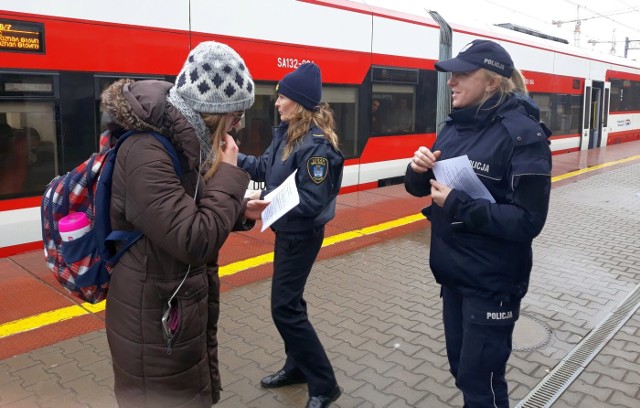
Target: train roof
x,y
260,20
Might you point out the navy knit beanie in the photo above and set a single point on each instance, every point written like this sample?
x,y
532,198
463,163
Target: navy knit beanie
x,y
304,85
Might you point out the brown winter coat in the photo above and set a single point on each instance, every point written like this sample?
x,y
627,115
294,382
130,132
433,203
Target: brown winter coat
x,y
178,231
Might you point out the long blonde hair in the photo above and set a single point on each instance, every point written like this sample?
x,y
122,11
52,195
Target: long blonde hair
x,y
506,87
301,121
216,123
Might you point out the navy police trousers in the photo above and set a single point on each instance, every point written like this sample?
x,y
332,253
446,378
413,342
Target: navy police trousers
x,y
478,335
294,256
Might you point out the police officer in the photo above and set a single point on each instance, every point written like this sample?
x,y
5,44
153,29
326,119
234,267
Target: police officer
x,y
305,141
481,250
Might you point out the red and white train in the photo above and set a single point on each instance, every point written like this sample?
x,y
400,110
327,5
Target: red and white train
x,y
57,57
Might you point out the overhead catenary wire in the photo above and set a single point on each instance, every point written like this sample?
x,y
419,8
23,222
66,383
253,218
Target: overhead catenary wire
x,y
616,17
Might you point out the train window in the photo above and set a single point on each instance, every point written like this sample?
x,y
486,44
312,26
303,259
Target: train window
x,y
566,118
28,134
625,95
395,109
617,94
343,102
634,96
26,85
28,153
544,103
560,112
395,75
255,135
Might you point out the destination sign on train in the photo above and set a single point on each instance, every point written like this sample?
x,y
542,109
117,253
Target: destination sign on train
x,y
21,36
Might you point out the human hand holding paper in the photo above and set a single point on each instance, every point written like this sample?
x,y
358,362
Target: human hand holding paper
x,y
282,200
254,208
457,173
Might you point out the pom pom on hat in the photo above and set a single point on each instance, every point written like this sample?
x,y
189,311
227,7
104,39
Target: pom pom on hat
x,y
215,79
304,85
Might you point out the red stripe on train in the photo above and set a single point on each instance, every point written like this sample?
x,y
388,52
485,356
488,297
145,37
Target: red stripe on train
x,y
18,203
20,248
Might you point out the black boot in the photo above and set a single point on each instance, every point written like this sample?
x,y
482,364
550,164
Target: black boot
x,y
323,401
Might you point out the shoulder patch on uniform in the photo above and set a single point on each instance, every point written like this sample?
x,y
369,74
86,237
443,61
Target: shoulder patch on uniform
x,y
318,168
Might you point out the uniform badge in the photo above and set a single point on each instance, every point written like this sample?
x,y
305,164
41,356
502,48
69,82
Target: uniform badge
x,y
318,168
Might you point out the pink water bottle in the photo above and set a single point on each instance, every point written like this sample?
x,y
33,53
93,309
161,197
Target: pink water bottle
x,y
73,226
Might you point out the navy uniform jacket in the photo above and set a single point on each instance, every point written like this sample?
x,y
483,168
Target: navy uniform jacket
x,y
481,248
318,179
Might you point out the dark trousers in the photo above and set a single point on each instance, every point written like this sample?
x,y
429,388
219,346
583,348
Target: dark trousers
x,y
293,258
478,335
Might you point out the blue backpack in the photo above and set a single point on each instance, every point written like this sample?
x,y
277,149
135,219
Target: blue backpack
x,y
83,266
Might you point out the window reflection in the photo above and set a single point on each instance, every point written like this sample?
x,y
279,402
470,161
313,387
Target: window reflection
x,y
560,112
256,133
393,109
28,154
625,95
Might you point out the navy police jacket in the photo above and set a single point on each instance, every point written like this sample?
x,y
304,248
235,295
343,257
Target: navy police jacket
x,y
318,179
479,247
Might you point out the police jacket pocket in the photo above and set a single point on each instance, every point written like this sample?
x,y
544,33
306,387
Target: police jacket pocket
x,y
491,312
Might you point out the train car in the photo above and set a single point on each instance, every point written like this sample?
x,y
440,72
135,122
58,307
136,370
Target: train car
x,y
377,66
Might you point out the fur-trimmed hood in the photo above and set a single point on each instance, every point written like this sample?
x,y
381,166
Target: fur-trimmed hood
x,y
122,103
143,106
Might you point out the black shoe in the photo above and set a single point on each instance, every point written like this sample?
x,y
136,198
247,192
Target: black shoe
x,y
281,379
323,401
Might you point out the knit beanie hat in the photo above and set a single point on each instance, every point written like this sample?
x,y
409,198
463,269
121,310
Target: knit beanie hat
x,y
304,85
214,79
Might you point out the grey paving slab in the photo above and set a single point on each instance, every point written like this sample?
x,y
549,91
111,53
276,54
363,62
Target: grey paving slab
x,y
377,311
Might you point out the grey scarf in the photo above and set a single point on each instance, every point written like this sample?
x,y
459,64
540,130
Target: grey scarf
x,y
194,118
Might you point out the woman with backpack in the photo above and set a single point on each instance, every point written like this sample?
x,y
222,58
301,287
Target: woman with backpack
x,y
163,300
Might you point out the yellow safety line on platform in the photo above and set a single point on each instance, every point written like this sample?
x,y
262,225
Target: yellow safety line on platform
x,y
245,264
592,168
55,316
43,319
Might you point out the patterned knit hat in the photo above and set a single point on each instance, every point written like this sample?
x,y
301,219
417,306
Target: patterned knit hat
x,y
214,79
304,85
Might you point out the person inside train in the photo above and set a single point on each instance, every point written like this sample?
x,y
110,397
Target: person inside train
x,y
401,117
480,251
376,117
41,160
163,301
14,160
306,142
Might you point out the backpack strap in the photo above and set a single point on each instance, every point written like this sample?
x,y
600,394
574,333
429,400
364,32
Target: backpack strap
x,y
170,148
130,237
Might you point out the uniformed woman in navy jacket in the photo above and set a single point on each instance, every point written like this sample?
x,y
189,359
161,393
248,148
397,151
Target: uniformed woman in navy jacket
x,y
305,141
481,250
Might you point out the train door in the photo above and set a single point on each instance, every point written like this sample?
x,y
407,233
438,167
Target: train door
x,y
586,115
592,114
605,115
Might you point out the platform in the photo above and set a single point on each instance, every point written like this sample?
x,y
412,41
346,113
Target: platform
x,y
376,307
